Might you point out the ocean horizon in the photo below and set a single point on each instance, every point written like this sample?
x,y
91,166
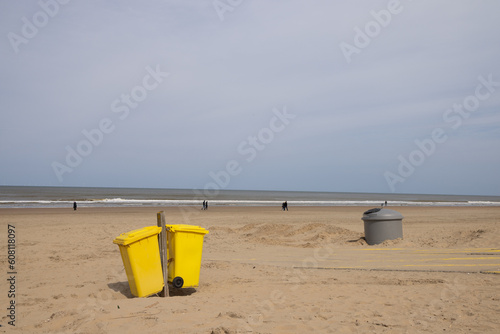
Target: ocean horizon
x,y
60,197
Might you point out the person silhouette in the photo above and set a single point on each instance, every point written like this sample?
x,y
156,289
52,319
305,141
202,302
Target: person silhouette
x,y
74,206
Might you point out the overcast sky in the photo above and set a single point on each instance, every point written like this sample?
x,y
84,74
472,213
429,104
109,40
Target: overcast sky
x,y
348,96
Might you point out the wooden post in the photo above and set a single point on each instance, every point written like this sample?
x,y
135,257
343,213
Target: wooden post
x,y
160,220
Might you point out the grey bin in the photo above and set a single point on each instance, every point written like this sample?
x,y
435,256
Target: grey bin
x,y
381,225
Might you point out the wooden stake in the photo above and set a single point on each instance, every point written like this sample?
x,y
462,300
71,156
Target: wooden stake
x,y
160,220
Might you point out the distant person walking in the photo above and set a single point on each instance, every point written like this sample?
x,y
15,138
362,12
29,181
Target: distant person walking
x,y
205,205
286,205
74,206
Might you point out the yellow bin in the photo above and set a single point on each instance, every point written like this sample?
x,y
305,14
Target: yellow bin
x,y
141,258
185,245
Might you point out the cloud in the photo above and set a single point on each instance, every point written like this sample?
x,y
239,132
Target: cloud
x,y
226,77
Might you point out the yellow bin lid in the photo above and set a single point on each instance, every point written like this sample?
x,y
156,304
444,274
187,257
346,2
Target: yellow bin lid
x,y
186,228
136,235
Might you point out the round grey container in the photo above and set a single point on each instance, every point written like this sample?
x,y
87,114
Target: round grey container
x,y
381,225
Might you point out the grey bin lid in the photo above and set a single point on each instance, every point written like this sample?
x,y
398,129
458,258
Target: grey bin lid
x,y
381,214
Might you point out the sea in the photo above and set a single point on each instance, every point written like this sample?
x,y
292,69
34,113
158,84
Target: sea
x,y
63,197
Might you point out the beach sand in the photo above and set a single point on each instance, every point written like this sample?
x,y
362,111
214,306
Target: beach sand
x,y
263,271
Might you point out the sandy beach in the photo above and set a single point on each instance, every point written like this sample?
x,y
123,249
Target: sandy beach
x,y
263,271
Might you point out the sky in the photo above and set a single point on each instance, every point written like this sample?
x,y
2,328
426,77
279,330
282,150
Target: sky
x,y
337,96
